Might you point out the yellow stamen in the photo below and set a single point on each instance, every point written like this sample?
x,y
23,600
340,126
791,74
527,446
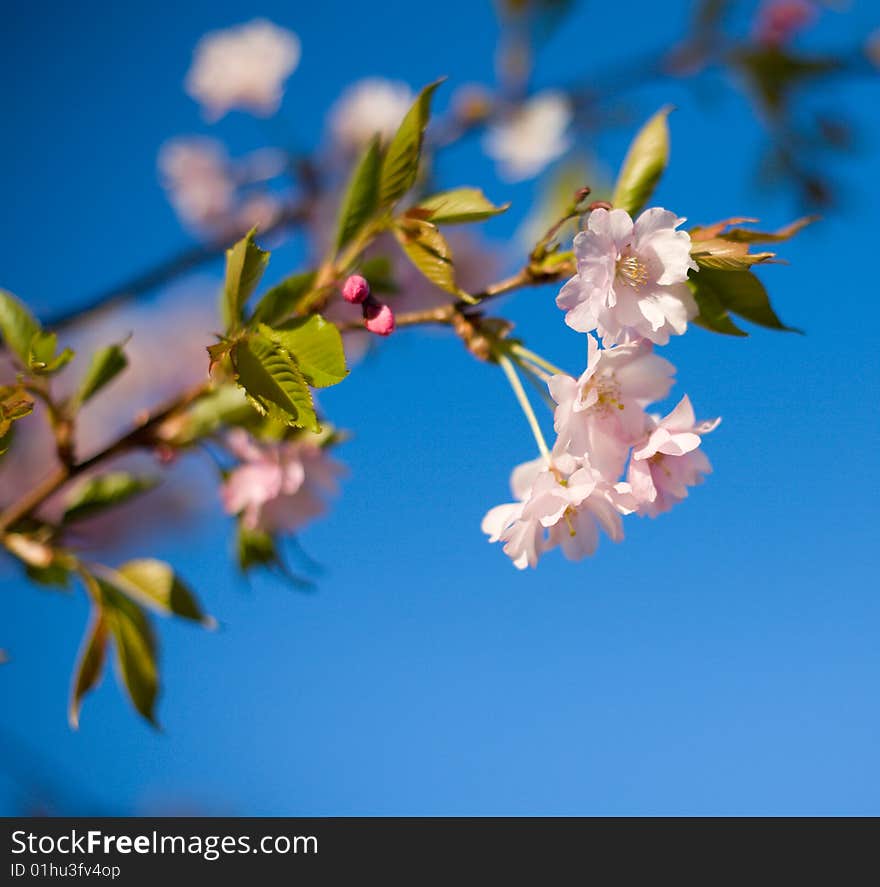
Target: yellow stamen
x,y
633,271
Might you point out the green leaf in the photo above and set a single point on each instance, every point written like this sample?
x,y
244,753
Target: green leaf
x,y
428,250
401,164
245,264
740,292
55,575
18,327
316,345
713,315
255,548
43,359
362,195
15,404
743,293
105,365
274,382
223,405
135,648
90,664
643,165
283,300
95,494
725,255
154,583
457,207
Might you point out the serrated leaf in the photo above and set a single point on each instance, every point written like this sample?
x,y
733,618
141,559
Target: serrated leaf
x,y
456,207
95,494
726,255
401,164
18,327
90,664
284,299
429,252
135,648
316,345
361,196
643,165
274,382
105,365
155,584
245,264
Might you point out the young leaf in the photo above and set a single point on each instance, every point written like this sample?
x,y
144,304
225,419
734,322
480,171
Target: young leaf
x,y
428,250
643,165
43,359
743,294
223,405
105,365
748,235
273,382
401,164
245,264
316,346
457,207
90,664
726,255
282,300
362,195
155,584
18,327
713,315
135,648
15,404
95,494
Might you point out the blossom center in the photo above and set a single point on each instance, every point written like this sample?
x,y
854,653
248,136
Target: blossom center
x,y
633,270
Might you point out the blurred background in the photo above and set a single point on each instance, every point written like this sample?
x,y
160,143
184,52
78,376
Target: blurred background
x,y
722,660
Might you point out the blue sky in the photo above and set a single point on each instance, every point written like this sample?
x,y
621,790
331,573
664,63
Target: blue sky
x,y
723,659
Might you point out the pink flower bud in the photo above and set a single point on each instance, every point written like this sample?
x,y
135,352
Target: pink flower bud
x,y
378,317
356,289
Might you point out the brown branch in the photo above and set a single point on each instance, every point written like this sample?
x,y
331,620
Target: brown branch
x,y
139,435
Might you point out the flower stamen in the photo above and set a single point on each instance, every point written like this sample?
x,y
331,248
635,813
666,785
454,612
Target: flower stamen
x,y
633,270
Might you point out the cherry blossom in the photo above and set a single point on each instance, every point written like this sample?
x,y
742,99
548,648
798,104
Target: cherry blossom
x,y
668,460
278,486
535,134
603,412
560,504
195,173
370,106
243,67
631,277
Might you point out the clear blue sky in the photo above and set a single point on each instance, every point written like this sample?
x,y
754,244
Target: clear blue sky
x,y
724,659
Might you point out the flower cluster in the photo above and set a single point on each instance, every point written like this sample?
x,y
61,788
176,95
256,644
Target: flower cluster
x,y
611,457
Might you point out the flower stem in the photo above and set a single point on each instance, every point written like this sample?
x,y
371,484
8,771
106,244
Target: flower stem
x,y
536,359
515,383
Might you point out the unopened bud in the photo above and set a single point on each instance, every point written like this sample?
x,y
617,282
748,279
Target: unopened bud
x,y
378,317
356,289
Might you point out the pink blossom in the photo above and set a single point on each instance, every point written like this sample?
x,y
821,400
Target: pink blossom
x,y
243,67
600,414
560,505
631,278
356,289
277,487
196,174
779,20
378,317
533,135
668,460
